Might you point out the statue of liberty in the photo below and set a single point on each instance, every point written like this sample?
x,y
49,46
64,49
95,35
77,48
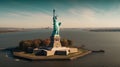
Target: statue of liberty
x,y
56,25
55,37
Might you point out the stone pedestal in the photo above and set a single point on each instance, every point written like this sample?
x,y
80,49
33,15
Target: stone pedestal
x,y
55,41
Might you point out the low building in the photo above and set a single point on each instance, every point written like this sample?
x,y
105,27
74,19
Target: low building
x,y
54,51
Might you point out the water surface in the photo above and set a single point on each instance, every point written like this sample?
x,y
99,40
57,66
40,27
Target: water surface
x,y
109,41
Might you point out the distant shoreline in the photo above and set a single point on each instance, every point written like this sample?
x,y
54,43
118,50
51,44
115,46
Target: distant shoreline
x,y
9,31
105,30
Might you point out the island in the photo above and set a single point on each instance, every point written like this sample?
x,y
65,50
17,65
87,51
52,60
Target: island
x,y
52,48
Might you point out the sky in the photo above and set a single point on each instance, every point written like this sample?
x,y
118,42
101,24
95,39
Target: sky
x,y
71,13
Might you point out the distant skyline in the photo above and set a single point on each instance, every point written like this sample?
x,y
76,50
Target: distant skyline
x,y
72,13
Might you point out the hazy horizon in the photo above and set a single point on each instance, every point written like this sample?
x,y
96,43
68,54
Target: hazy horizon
x,y
72,13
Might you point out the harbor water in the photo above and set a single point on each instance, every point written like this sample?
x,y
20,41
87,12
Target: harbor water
x,y
108,41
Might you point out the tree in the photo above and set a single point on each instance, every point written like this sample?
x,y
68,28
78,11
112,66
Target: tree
x,y
70,43
46,42
64,42
25,44
36,43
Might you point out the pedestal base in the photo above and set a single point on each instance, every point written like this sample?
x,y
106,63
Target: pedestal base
x,y
55,41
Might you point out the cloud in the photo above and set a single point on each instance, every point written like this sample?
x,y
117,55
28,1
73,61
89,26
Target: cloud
x,y
84,13
80,17
95,17
26,19
73,17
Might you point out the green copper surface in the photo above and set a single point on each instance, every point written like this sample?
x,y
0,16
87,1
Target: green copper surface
x,y
56,25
